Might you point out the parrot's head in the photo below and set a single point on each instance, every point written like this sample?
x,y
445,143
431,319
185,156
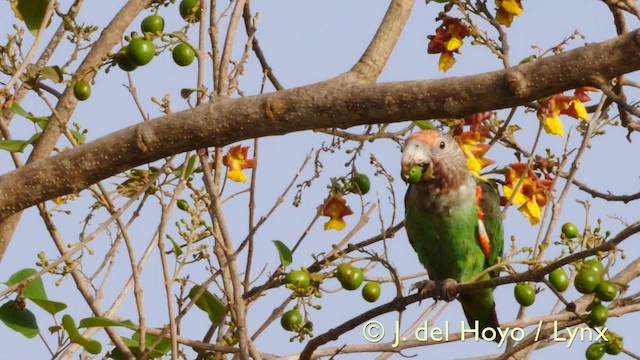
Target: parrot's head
x,y
438,155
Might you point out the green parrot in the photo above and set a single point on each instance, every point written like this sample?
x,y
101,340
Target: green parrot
x,y
453,221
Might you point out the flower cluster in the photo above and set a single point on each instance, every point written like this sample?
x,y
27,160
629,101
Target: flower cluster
x,y
474,148
531,194
335,207
236,160
549,109
447,40
507,9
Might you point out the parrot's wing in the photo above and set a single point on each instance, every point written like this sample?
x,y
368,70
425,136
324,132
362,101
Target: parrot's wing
x,y
489,202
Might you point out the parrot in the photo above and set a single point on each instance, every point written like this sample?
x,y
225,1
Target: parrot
x,y
453,221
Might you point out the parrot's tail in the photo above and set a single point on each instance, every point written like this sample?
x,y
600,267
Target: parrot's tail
x,y
479,306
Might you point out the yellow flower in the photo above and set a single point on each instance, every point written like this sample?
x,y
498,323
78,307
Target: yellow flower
x,y
507,9
471,143
336,208
236,160
553,125
531,195
446,61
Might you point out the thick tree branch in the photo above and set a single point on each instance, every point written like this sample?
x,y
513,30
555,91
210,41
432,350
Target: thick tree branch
x,y
336,103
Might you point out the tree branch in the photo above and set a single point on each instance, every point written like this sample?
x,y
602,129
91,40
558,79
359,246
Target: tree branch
x,y
335,103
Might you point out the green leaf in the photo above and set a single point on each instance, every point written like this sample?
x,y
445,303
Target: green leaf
x,y
53,73
176,247
22,321
190,166
13,146
90,345
41,121
209,303
80,137
31,12
103,322
163,347
50,306
133,344
424,124
286,257
34,289
185,93
18,145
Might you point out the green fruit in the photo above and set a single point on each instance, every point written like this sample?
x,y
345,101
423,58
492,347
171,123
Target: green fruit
x,y
595,351
183,54
291,320
152,24
183,205
594,264
414,175
190,10
598,315
606,290
343,271
298,278
570,230
525,294
353,280
614,345
123,61
362,183
140,51
559,279
586,281
371,291
82,90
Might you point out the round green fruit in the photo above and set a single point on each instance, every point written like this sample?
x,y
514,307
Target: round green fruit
x,y
291,320
183,205
570,230
598,315
140,51
525,294
343,271
586,281
183,54
371,291
190,10
595,351
298,278
353,280
414,175
82,90
123,61
362,183
559,279
594,264
606,290
613,346
152,24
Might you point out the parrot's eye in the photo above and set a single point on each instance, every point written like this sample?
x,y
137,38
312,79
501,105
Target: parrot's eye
x,y
442,145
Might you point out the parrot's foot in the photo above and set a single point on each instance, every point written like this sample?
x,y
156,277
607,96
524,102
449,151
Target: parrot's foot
x,y
424,287
439,290
447,290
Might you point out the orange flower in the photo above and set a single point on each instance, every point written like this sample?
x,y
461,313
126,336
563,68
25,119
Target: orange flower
x,y
549,109
507,9
236,160
532,193
336,208
447,40
472,144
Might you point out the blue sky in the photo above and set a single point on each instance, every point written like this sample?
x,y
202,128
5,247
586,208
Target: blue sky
x,y
306,42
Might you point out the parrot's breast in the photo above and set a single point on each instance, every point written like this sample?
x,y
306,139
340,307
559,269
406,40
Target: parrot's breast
x,y
443,228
